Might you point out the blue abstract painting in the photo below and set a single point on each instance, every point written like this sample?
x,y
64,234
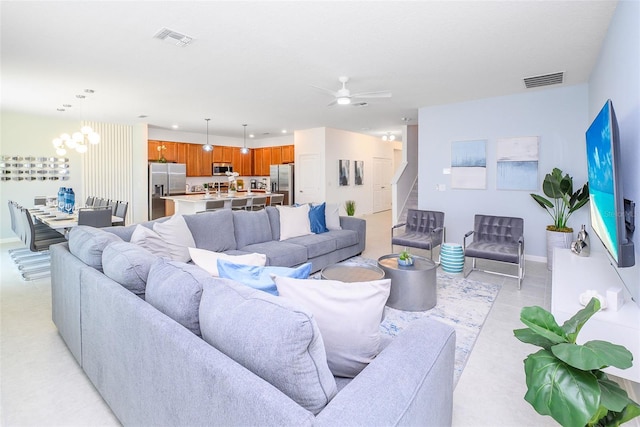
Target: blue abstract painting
x,y
517,163
469,164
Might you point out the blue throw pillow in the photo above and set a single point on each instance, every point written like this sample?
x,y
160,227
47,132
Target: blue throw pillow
x,y
317,219
259,277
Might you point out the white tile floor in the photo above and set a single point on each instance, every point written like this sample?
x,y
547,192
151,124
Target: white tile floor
x,y
41,384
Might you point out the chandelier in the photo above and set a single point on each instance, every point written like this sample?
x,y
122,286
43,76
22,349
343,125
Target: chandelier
x,y
78,140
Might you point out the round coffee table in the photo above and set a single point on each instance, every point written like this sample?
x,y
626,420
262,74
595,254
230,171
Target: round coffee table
x,y
413,288
352,272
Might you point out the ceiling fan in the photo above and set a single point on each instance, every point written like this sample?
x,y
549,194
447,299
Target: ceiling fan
x,y
343,96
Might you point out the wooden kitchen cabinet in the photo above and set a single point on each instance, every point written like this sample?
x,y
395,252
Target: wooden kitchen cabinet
x,y
261,161
206,159
152,150
181,152
222,154
241,162
193,159
266,162
288,154
276,155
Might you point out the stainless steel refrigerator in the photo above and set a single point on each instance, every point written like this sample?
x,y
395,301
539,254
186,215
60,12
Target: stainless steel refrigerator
x,y
282,182
165,179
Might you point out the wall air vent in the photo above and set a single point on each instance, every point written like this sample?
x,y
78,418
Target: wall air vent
x,y
180,39
544,80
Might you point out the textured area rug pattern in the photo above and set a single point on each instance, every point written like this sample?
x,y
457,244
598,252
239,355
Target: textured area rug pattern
x,y
463,304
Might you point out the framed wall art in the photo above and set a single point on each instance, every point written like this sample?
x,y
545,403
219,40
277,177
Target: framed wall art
x,y
358,166
517,163
469,165
343,172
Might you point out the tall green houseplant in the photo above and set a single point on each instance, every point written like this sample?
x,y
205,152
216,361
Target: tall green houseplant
x,y
564,201
565,380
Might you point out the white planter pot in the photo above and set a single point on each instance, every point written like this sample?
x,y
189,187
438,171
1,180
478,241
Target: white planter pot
x,y
556,239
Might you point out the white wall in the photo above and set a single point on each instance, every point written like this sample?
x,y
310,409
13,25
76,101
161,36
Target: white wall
x,y
353,146
201,138
557,115
27,135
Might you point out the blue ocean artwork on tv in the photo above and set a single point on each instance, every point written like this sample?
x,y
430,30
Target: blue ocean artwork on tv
x,y
601,185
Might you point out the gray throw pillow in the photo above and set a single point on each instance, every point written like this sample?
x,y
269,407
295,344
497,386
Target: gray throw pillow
x,y
270,336
175,289
251,227
128,264
87,244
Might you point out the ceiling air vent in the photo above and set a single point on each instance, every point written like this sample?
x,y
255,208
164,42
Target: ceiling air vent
x,y
544,80
181,39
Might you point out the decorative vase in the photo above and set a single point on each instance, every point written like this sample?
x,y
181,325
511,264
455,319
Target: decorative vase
x,y
557,239
452,257
581,246
405,262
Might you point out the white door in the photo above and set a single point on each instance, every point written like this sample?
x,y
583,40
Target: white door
x,y
382,174
308,179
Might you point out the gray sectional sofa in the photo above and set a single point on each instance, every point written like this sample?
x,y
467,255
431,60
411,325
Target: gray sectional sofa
x,y
152,370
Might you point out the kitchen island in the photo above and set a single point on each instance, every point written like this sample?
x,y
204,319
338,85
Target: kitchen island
x,y
193,203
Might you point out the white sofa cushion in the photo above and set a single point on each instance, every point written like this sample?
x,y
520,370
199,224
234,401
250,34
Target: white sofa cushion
x,y
348,315
208,260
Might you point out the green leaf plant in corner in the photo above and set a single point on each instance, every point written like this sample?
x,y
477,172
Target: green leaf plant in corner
x,y
564,201
565,380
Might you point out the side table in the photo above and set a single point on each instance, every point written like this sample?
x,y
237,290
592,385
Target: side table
x,y
413,288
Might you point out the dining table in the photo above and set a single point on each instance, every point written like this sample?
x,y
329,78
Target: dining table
x,y
57,220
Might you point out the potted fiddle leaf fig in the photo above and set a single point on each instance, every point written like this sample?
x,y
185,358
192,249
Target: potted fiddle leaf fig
x,y
565,380
561,203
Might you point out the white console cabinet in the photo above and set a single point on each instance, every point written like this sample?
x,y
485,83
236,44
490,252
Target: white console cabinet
x,y
572,275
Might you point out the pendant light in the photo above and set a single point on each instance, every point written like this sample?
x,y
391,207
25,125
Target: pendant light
x,y
244,149
207,147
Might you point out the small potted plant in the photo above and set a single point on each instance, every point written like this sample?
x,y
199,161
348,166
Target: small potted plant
x,y
350,207
565,380
562,202
405,258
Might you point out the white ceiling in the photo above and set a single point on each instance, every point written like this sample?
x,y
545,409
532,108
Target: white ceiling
x,y
255,62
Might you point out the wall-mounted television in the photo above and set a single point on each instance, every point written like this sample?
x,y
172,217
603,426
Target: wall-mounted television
x,y
605,187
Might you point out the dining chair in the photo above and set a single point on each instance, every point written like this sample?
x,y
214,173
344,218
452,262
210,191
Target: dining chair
x,y
276,199
121,212
89,201
95,217
239,204
258,202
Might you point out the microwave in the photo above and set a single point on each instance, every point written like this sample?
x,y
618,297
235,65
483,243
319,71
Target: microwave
x,y
221,168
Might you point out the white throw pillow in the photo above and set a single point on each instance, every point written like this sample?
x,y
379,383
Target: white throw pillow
x,y
294,221
348,315
332,216
177,237
208,260
150,240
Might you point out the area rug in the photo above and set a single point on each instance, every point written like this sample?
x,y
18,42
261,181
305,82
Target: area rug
x,y
462,303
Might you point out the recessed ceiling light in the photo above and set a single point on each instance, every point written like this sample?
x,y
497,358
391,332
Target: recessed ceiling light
x,y
174,126
251,135
284,131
